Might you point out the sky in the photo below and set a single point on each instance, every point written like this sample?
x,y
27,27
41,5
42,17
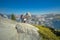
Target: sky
x,y
32,6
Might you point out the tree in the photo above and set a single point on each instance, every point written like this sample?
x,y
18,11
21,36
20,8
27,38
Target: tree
x,y
13,17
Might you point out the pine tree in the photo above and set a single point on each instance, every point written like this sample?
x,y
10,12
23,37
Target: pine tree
x,y
13,17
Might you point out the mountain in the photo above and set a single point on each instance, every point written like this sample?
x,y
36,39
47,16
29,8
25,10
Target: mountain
x,y
3,15
52,20
55,21
11,30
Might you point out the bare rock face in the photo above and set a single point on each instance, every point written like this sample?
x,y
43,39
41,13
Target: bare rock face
x,y
10,30
27,32
7,30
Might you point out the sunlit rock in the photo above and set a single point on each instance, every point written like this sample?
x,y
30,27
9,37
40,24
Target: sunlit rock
x,y
11,30
27,32
7,30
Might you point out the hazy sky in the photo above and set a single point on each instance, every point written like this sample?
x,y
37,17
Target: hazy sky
x,y
32,6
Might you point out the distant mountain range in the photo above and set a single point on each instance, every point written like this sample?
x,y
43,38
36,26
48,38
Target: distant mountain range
x,y
52,20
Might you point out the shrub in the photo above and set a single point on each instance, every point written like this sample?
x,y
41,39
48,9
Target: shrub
x,y
46,33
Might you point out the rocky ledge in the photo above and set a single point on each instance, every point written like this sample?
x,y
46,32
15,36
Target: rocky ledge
x,y
11,30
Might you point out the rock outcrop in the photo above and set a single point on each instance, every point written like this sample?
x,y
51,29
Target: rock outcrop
x,y
7,29
11,30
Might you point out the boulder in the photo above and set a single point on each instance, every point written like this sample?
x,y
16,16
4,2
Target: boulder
x,y
27,32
